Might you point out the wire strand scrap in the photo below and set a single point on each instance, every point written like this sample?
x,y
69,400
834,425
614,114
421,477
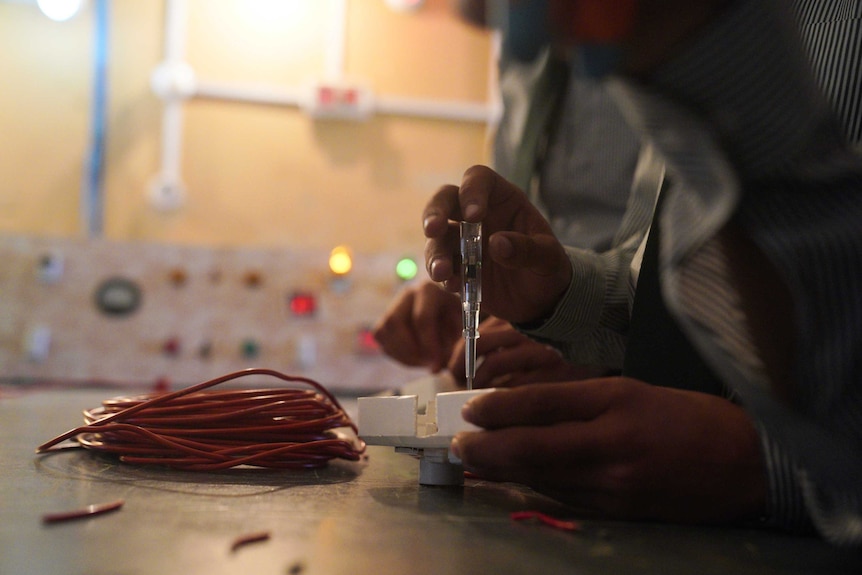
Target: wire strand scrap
x,y
82,513
546,519
248,539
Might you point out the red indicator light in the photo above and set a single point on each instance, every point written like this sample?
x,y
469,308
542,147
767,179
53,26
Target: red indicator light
x,y
171,347
365,342
303,304
326,95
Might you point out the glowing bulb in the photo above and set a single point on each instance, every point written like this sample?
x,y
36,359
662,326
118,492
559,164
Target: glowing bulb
x,y
60,10
340,261
405,5
406,269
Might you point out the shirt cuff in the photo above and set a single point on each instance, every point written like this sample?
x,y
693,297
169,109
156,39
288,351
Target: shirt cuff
x,y
785,505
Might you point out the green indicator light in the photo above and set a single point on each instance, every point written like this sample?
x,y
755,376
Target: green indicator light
x,y
406,269
249,348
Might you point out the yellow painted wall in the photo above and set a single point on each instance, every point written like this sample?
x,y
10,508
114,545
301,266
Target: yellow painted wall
x,y
255,175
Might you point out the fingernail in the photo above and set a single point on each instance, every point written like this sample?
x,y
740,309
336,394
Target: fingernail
x,y
455,447
467,411
471,211
433,269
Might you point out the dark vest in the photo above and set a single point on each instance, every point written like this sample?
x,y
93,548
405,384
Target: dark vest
x,y
657,351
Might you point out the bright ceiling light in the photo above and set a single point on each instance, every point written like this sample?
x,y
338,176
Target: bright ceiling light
x,y
405,5
60,10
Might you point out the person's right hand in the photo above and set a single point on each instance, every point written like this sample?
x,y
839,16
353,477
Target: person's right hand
x,y
420,327
525,270
620,447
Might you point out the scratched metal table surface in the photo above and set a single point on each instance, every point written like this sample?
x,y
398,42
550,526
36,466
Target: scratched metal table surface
x,y
349,518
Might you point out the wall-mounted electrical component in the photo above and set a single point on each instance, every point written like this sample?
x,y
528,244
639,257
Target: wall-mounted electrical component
x,y
50,267
172,347
162,385
338,101
250,348
252,279
37,343
306,352
205,349
397,421
340,260
406,269
302,304
133,304
118,296
340,264
178,277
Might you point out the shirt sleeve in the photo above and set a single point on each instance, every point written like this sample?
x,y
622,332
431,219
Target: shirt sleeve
x,y
590,323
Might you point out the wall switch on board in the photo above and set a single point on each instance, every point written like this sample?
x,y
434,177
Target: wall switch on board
x,y
37,343
50,267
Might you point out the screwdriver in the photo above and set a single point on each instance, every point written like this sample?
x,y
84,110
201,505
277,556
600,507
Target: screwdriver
x,y
471,292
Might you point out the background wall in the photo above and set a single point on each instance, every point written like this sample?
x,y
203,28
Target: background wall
x,y
269,190
256,175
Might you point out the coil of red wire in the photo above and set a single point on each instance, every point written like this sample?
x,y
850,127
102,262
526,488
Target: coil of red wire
x,y
198,429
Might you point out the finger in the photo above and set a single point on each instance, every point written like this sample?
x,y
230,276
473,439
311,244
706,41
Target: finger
x,y
477,186
577,475
456,365
440,257
489,341
516,361
499,337
437,219
395,334
442,208
436,317
544,404
568,444
494,324
540,253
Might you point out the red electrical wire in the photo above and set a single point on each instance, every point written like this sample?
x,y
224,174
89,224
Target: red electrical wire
x,y
88,511
199,430
546,519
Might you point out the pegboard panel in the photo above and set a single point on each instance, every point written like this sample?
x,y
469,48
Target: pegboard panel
x,y
202,313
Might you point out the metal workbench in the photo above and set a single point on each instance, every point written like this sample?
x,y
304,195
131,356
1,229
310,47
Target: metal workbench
x,y
349,518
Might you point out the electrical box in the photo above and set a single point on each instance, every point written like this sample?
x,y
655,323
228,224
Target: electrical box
x,y
338,101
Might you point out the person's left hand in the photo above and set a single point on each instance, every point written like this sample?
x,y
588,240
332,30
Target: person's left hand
x,y
620,447
509,358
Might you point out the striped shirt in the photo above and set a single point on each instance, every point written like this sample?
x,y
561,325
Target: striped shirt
x,y
746,132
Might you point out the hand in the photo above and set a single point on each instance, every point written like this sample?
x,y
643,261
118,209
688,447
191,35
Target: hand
x,y
510,358
620,447
421,327
525,269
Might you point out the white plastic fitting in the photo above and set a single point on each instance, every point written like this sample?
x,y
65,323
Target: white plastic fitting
x,y
396,421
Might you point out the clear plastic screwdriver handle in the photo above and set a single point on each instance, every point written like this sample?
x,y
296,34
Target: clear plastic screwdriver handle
x,y
471,291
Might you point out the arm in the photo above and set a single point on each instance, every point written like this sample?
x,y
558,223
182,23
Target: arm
x,y
748,134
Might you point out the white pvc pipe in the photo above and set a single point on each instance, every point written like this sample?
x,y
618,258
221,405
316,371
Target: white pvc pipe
x,y
176,19
434,109
267,95
336,40
167,192
179,84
